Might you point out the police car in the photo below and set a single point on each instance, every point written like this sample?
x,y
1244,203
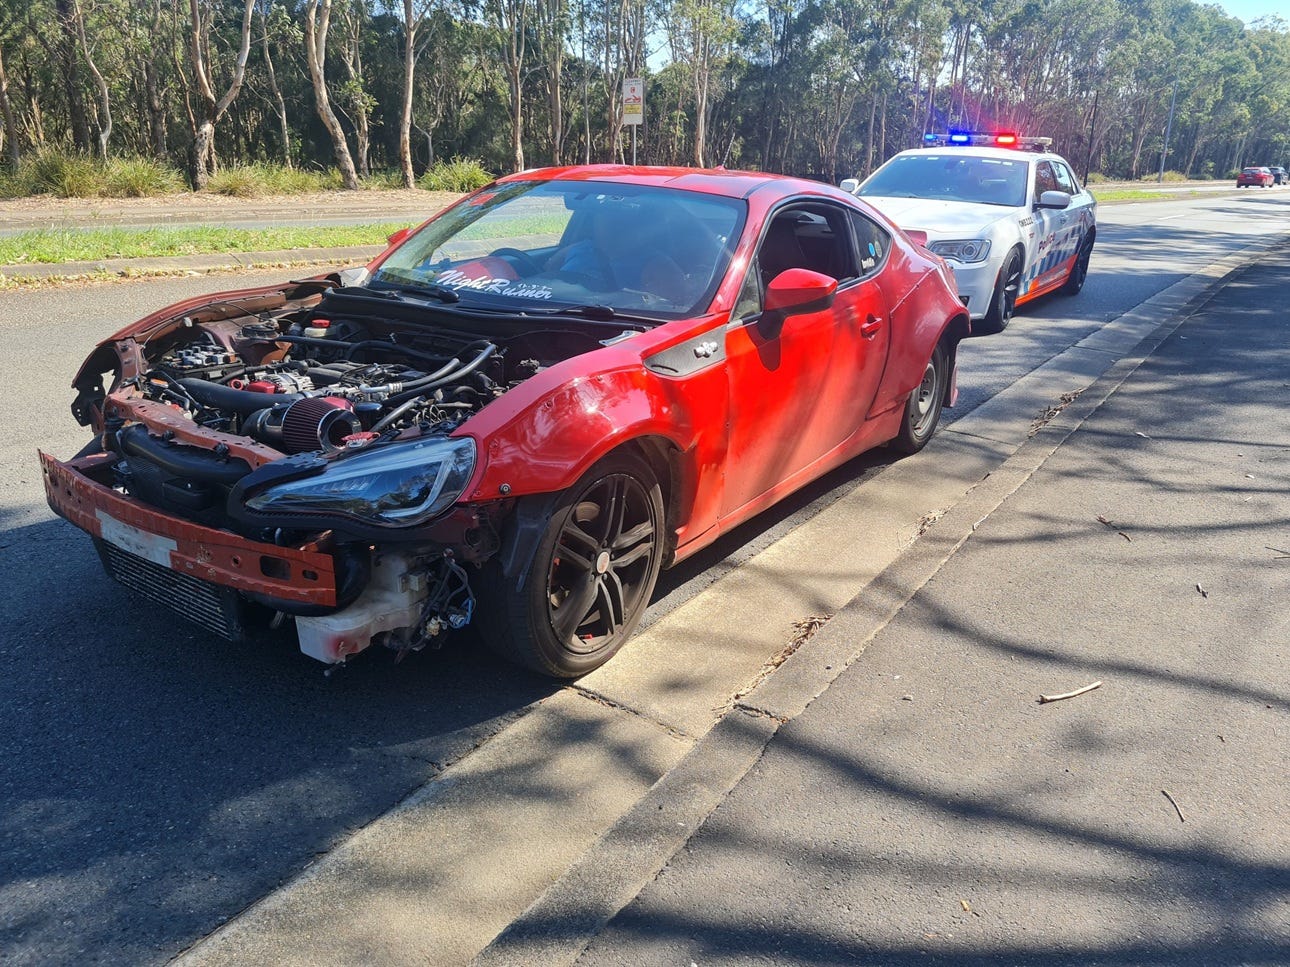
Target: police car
x,y
1009,216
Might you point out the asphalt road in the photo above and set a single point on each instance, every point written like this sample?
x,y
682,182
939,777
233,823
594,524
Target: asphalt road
x,y
154,783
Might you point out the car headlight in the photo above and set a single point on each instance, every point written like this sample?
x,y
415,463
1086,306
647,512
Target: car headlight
x,y
400,484
962,249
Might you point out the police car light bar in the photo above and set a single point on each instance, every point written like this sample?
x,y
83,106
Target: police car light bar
x,y
1001,139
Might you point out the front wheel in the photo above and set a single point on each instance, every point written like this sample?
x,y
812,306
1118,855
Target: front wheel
x,y
1004,300
923,411
591,578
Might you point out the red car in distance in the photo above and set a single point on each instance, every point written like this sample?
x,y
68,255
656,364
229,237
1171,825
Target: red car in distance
x,y
514,417
1255,178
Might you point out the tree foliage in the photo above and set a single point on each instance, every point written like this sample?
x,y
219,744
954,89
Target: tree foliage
x,y
823,88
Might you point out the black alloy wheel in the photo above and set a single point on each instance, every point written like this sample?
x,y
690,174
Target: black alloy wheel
x,y
592,576
1079,271
1004,301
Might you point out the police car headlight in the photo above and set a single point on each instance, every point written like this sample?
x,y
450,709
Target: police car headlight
x,y
403,484
963,249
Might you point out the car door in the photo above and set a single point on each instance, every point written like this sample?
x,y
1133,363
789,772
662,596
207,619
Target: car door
x,y
800,387
1052,230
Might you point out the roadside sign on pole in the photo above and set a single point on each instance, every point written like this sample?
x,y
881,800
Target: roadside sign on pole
x,y
633,100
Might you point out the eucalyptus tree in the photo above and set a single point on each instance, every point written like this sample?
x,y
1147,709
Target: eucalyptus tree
x,y
700,37
10,28
317,24
509,20
424,23
355,24
201,84
551,36
276,27
77,16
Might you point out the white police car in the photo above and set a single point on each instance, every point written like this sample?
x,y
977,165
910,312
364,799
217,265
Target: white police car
x,y
1009,216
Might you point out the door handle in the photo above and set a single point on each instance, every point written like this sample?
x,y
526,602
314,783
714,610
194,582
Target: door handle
x,y
869,328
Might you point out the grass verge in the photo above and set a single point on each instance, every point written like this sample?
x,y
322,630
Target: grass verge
x,y
1138,194
17,281
54,246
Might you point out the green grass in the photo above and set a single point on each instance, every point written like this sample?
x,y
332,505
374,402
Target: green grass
x,y
46,246
1138,194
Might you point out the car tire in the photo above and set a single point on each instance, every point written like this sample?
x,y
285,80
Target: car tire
x,y
1003,302
591,577
1079,271
923,411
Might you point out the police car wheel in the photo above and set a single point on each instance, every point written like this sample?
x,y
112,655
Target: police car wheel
x,y
1004,300
1079,271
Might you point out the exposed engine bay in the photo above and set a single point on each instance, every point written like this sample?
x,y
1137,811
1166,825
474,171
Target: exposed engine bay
x,y
323,382
346,405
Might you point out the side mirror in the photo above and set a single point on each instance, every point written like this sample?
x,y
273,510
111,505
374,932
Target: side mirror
x,y
849,185
1054,199
795,292
917,236
398,236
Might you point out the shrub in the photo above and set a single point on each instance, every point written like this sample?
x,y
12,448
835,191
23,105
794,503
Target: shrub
x,y
456,174
1096,178
384,180
296,181
238,181
52,171
139,178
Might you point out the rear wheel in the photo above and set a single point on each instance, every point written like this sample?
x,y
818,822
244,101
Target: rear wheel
x,y
591,578
923,411
1004,300
1079,271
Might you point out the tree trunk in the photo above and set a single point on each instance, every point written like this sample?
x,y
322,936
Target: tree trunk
x,y
12,146
202,158
405,108
203,152
156,111
105,100
72,76
317,20
279,104
517,119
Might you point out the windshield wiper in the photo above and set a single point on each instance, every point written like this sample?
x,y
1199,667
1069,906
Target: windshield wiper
x,y
441,292
597,312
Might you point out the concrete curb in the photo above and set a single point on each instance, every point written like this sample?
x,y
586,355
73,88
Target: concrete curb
x,y
560,924
179,264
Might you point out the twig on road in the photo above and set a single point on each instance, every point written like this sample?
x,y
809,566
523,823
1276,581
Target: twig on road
x,y
1177,808
1044,699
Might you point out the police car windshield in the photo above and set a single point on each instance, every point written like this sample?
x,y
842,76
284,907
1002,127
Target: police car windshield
x,y
951,176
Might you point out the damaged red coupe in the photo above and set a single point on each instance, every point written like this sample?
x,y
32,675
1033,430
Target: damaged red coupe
x,y
515,417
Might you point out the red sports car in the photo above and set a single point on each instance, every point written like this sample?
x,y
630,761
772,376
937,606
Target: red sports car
x,y
515,416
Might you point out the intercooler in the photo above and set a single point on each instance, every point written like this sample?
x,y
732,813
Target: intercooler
x,y
213,607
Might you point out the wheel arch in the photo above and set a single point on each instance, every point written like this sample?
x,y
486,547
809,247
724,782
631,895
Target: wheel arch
x,y
523,528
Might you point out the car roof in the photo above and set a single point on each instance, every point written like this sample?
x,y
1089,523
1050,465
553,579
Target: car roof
x,y
712,181
984,151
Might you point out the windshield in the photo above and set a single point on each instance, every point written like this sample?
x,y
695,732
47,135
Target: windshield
x,y
659,251
951,177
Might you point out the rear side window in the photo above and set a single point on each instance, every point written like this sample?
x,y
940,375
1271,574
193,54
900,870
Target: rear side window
x,y
1064,180
1045,180
871,243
